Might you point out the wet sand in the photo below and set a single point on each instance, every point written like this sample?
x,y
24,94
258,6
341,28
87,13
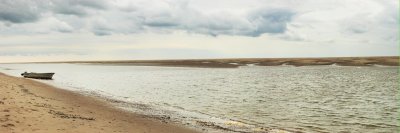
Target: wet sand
x,y
27,106
236,62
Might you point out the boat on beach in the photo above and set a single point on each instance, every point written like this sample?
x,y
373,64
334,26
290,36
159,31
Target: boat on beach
x,y
37,75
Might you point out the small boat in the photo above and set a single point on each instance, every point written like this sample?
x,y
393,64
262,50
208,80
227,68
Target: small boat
x,y
38,75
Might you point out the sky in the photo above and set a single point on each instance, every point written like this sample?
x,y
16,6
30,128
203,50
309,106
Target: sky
x,y
62,30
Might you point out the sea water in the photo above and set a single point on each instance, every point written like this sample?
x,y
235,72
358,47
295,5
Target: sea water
x,y
247,99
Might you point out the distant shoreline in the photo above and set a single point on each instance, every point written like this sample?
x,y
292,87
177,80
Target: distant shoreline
x,y
237,62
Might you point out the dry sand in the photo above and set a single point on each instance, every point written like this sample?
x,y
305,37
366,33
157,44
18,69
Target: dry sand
x,y
27,106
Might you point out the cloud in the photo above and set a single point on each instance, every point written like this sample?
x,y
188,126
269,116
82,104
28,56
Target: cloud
x,y
19,11
77,7
339,22
36,52
295,21
253,23
105,18
270,21
166,53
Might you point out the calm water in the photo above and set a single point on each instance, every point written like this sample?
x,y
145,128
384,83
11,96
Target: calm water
x,y
309,99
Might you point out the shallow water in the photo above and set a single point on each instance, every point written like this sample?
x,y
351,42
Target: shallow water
x,y
309,99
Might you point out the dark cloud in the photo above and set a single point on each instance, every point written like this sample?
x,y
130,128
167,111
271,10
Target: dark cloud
x,y
25,11
96,4
270,21
18,17
19,11
100,32
161,24
77,7
77,11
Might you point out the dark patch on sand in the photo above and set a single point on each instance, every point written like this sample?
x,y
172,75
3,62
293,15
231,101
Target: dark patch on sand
x,y
69,116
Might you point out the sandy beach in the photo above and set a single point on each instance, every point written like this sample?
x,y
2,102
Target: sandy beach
x,y
27,106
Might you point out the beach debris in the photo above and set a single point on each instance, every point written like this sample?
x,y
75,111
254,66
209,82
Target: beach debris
x,y
69,116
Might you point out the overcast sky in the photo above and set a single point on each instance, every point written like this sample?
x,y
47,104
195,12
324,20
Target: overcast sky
x,y
52,30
